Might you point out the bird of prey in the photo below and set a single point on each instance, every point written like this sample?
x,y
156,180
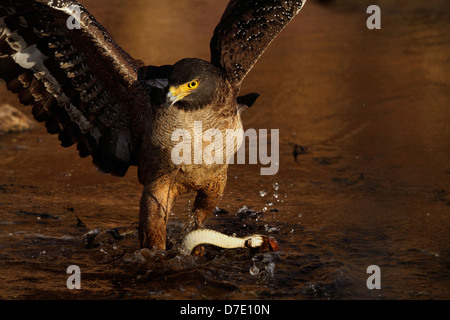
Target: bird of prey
x,y
91,93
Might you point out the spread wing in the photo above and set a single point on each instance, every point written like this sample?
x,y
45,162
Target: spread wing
x,y
246,30
77,79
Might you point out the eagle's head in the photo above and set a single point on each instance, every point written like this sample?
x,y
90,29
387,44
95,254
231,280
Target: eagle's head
x,y
194,84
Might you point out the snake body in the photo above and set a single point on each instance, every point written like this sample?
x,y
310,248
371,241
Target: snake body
x,y
197,237
207,236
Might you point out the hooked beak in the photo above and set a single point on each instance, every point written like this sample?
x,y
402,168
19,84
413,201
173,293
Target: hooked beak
x,y
175,94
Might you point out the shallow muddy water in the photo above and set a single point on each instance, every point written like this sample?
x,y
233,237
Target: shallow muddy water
x,y
370,185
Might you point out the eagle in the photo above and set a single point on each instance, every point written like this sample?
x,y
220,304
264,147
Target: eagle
x,y
86,89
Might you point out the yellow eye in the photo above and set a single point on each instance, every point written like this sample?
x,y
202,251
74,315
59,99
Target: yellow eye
x,y
193,84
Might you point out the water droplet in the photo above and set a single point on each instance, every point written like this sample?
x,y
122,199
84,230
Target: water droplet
x,y
276,186
262,193
269,204
254,270
275,195
270,268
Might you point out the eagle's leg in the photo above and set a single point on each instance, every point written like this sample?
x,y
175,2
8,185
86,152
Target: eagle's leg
x,y
207,199
157,200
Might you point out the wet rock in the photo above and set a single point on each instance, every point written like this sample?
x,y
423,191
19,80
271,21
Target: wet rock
x,y
13,120
97,237
219,211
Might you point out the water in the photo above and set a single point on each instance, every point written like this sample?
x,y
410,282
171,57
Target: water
x,y
369,184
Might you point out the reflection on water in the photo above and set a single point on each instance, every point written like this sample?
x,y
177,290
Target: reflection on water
x,y
368,109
